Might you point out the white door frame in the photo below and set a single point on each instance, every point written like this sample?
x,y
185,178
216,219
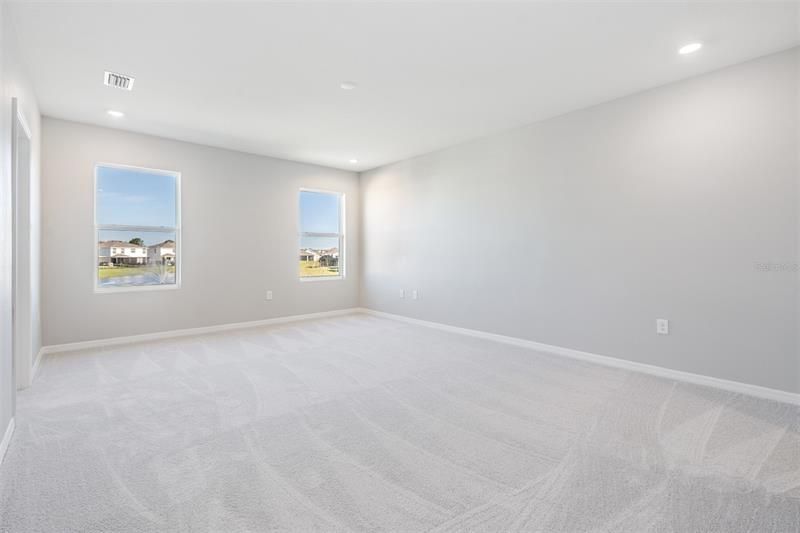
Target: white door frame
x,y
20,235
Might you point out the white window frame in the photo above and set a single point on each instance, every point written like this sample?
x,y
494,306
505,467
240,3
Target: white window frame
x,y
121,227
340,235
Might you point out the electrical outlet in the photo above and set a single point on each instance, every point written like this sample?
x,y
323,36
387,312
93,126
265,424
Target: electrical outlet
x,y
269,295
414,295
402,293
662,326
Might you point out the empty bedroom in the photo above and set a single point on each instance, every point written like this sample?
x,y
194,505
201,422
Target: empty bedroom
x,y
479,266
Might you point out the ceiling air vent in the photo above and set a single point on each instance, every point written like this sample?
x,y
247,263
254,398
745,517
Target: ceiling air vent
x,y
120,81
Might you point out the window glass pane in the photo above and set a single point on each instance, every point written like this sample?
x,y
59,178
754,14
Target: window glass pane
x,y
133,259
319,256
135,197
319,212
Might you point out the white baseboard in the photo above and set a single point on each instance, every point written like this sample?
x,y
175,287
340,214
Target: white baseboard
x,y
32,372
6,439
678,375
36,362
146,337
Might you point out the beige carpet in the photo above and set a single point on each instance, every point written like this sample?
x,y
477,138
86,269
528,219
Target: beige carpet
x,y
361,423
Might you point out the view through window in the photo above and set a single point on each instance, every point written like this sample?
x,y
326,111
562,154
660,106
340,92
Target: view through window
x,y
136,227
321,234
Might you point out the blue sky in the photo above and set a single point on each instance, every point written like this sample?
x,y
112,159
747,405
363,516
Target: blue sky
x,y
319,213
135,198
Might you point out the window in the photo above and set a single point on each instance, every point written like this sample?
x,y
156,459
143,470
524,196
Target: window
x,y
137,225
321,235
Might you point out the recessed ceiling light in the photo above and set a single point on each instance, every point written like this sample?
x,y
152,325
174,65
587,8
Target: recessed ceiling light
x,y
115,114
690,48
354,161
348,85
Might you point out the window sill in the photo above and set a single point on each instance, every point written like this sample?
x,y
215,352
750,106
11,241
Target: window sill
x,y
140,288
321,278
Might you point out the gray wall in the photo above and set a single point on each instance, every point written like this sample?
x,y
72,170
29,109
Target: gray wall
x,y
14,84
579,231
233,204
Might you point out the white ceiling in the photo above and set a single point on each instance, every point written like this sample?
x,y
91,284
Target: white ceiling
x,y
264,77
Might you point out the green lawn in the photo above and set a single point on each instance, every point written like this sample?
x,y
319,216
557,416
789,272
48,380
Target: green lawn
x,y
106,272
309,269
